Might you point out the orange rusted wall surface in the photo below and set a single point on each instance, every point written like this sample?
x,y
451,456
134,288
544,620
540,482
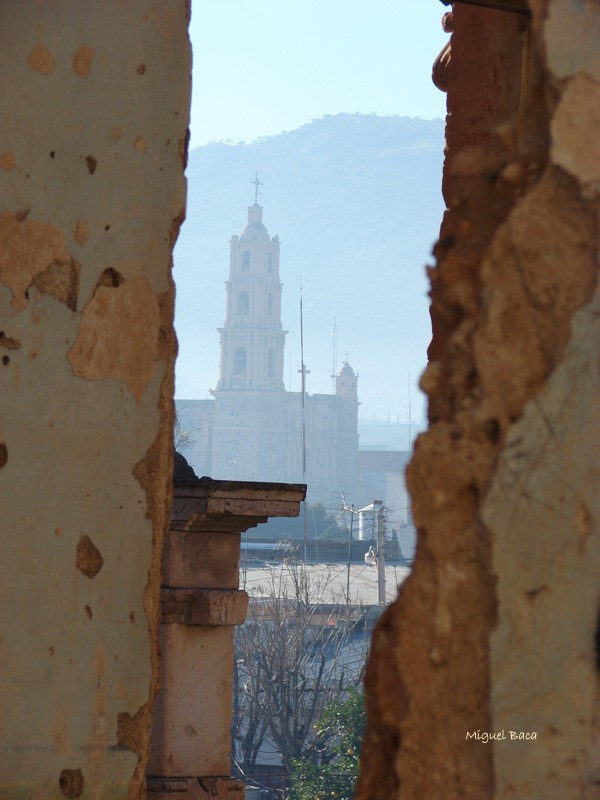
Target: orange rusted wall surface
x,y
96,105
483,679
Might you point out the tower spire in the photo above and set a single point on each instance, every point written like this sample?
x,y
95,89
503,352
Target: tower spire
x,y
256,183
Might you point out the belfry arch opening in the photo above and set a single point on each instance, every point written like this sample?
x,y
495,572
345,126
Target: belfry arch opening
x,y
239,361
270,363
243,303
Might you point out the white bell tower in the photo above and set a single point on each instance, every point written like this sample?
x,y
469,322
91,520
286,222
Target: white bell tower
x,y
252,338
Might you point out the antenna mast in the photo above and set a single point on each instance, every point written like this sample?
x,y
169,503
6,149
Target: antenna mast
x,y
334,356
409,415
302,415
302,389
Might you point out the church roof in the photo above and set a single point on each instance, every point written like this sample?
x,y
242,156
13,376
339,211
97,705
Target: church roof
x,y
253,231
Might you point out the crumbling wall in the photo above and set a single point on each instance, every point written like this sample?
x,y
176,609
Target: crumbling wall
x,y
95,113
494,631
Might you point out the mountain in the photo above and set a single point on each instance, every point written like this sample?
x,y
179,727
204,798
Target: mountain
x,y
356,202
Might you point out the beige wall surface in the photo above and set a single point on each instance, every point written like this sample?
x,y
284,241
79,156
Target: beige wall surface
x,y
543,505
92,147
544,508
193,714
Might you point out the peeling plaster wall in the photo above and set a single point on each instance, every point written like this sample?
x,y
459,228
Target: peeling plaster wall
x,y
494,630
92,150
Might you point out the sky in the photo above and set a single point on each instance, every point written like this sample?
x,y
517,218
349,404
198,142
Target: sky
x,y
261,67
266,66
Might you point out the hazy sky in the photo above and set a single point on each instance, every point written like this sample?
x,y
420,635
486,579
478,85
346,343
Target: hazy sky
x,y
265,66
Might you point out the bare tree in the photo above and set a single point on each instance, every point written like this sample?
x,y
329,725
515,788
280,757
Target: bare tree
x,y
182,439
295,655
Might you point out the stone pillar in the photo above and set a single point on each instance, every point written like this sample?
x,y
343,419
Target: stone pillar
x,y
201,602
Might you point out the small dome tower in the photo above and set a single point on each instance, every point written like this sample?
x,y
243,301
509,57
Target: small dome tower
x,y
346,383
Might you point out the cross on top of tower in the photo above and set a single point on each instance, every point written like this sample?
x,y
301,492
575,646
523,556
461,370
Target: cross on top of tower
x,y
256,183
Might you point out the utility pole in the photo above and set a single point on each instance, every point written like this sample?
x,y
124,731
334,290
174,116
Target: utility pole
x,y
378,522
303,370
350,539
409,416
380,557
334,356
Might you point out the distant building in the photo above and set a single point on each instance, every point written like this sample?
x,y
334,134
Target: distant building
x,y
382,474
252,428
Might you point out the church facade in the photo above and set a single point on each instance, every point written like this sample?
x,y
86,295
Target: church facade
x,y
252,428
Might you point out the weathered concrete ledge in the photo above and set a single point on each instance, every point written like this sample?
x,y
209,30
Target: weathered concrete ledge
x,y
180,788
205,504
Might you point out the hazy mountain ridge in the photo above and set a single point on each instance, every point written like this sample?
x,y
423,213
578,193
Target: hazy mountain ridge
x,y
356,202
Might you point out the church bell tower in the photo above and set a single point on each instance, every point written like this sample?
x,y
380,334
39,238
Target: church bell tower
x,y
252,338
